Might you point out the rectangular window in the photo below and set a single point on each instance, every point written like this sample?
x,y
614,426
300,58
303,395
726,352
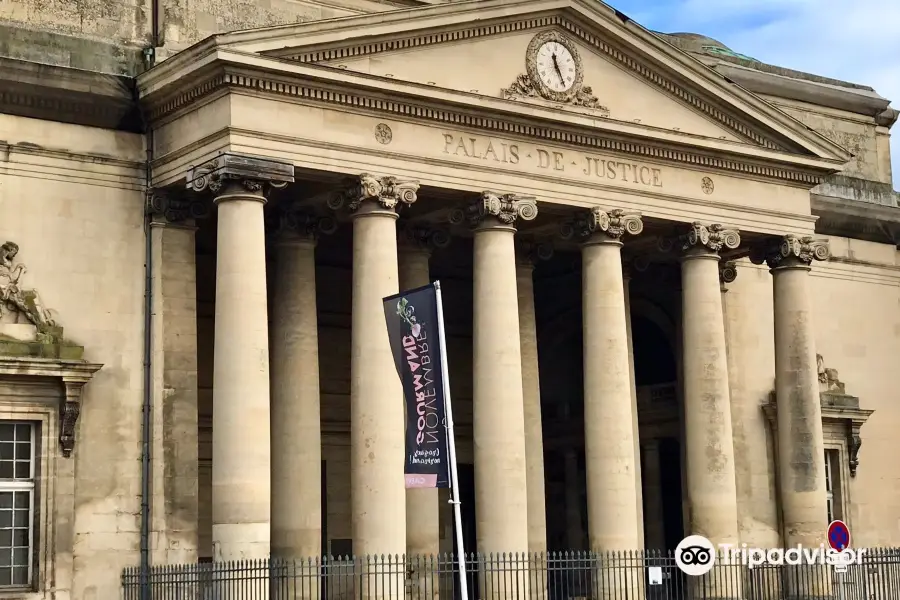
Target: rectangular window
x,y
833,498
17,489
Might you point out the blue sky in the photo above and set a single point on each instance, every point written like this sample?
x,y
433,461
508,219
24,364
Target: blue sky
x,y
851,40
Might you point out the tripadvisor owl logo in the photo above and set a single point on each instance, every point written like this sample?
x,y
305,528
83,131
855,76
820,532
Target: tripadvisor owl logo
x,y
695,555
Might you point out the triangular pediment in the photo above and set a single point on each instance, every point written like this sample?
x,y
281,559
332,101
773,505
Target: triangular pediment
x,y
619,72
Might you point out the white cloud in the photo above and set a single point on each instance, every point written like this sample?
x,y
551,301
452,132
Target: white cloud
x,y
851,40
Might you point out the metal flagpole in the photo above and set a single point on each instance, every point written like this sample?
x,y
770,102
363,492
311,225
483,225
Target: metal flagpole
x,y
451,443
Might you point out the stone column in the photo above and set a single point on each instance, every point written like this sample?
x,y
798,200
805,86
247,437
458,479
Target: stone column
x,y
654,524
801,448
501,492
574,525
635,425
296,433
241,462
609,444
527,254
378,487
709,451
423,535
610,461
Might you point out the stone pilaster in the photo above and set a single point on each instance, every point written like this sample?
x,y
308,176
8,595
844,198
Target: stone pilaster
x,y
801,465
174,463
501,501
378,488
610,460
296,444
241,510
527,253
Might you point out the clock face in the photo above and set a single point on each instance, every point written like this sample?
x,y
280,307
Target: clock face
x,y
556,66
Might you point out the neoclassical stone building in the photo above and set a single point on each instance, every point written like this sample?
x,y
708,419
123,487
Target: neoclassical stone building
x,y
656,254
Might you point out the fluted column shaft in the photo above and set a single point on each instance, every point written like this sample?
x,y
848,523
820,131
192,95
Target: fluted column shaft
x,y
531,392
422,504
610,460
240,470
711,484
296,431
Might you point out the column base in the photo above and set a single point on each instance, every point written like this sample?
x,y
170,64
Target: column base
x,y
240,541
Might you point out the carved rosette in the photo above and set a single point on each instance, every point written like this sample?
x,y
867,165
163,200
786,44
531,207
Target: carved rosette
x,y
791,251
293,223
422,237
389,193
505,208
176,208
727,272
610,225
252,174
529,252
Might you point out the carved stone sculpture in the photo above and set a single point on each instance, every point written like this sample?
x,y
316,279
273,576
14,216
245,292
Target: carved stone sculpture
x,y
389,192
18,304
828,378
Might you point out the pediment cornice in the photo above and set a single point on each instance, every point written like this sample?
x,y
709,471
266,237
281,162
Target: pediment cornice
x,y
595,24
224,71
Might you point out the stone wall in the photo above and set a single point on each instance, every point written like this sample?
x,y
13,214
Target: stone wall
x,y
109,35
71,199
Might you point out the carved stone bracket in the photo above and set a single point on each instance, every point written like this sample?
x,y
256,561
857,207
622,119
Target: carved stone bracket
x,y
505,208
256,175
529,252
613,224
389,193
841,415
293,221
422,237
73,374
176,208
790,251
712,238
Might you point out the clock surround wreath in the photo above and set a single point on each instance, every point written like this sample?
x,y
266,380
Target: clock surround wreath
x,y
531,85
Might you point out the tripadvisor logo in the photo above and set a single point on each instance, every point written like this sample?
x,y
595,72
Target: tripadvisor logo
x,y
695,555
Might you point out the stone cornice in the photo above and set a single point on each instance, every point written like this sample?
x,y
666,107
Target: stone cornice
x,y
67,95
855,219
226,71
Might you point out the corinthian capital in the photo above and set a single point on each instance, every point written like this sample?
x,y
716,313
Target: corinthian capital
x,y
293,223
613,224
505,208
388,193
727,272
421,237
255,175
790,251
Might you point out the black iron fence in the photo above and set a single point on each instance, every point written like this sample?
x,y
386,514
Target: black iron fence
x,y
639,575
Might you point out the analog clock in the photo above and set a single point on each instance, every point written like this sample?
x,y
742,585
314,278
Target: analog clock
x,y
554,66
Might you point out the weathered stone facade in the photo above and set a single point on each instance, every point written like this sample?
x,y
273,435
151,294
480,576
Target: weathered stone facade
x,y
665,263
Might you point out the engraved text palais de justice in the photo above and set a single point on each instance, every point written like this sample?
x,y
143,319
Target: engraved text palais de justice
x,y
575,163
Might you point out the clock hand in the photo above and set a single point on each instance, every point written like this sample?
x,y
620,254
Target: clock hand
x,y
558,71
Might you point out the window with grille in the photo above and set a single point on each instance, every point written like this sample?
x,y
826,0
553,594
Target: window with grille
x,y
17,489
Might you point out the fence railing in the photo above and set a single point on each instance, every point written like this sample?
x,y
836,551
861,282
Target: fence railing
x,y
638,575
